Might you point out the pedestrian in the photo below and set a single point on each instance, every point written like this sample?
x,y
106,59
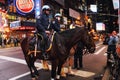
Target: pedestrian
x,y
15,40
78,56
42,24
56,22
5,41
112,45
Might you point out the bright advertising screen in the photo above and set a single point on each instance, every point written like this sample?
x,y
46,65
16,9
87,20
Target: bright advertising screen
x,y
100,26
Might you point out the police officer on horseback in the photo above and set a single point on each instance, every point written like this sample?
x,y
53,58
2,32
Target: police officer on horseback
x,y
56,22
42,24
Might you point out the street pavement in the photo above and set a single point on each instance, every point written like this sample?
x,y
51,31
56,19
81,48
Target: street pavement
x,y
13,66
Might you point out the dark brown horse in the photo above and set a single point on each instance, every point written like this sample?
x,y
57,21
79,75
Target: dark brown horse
x,y
62,43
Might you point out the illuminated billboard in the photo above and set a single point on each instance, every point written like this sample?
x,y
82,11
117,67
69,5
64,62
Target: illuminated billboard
x,y
93,8
100,26
24,6
115,4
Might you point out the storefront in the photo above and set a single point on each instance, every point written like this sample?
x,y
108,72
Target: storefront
x,y
22,28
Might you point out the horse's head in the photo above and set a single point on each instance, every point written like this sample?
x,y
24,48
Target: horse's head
x,y
77,34
89,42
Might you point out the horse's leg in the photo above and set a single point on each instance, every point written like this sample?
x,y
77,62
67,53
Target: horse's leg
x,y
45,65
32,60
70,62
53,71
35,69
59,69
63,74
28,61
35,72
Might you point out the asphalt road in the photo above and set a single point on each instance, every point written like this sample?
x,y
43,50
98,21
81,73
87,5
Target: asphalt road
x,y
13,66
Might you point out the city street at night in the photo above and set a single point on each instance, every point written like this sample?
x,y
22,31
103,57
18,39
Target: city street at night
x,y
67,32
13,66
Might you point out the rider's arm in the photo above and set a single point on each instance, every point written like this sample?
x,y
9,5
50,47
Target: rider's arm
x,y
56,26
39,23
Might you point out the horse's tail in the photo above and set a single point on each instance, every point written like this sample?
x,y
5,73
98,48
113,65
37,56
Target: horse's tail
x,y
24,45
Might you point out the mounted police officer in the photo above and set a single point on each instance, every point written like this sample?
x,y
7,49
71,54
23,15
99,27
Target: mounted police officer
x,y
42,24
56,22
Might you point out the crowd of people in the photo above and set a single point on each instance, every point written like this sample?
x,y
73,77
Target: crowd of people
x,y
11,42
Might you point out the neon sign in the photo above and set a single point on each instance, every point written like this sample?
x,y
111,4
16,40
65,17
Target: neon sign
x,y
24,6
37,7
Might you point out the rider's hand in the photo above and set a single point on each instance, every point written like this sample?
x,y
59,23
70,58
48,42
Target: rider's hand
x,y
47,32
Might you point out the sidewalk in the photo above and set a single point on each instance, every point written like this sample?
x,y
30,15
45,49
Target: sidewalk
x,y
9,46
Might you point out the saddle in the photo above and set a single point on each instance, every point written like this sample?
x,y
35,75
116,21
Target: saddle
x,y
35,43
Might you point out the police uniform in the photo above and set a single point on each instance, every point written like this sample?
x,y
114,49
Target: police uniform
x,y
42,23
56,25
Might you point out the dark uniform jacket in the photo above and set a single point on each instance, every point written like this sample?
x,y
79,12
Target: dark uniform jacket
x,y
42,22
55,25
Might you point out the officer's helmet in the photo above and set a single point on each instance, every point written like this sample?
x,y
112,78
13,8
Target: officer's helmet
x,y
46,7
58,15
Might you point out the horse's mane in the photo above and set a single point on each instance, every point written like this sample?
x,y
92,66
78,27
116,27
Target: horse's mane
x,y
70,37
71,32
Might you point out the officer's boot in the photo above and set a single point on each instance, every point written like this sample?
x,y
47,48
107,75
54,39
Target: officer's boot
x,y
45,57
44,54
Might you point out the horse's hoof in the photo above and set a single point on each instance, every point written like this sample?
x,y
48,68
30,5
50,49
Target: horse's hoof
x,y
37,74
71,73
52,79
63,75
58,77
34,78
